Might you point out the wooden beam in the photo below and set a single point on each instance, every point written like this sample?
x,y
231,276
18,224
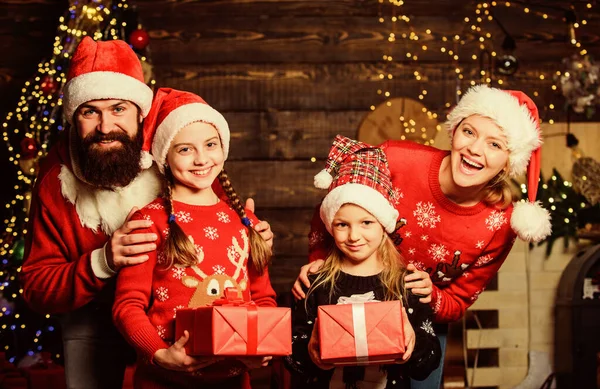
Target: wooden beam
x,y
268,8
27,23
34,18
288,135
259,31
21,3
498,299
344,39
284,39
284,270
497,338
349,86
496,376
273,131
415,9
276,184
291,228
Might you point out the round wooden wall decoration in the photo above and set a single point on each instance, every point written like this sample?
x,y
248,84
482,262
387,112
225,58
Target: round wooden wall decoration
x,y
398,119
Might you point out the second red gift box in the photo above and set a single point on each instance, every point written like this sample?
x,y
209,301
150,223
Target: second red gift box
x,y
361,333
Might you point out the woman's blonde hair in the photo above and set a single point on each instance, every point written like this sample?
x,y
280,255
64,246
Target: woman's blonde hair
x,y
499,191
180,250
392,276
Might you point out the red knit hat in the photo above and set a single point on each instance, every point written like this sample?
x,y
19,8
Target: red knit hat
x,y
105,70
171,111
517,116
357,173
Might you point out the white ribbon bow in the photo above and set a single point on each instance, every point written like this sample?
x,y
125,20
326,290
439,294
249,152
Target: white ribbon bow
x,y
358,298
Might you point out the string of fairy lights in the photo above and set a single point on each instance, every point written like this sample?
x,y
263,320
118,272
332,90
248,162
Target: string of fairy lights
x,y
552,200
453,47
36,121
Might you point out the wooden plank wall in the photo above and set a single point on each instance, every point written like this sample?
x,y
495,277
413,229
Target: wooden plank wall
x,y
510,337
290,74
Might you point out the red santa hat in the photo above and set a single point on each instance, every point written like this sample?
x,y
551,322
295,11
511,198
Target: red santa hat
x,y
357,173
106,70
171,111
517,116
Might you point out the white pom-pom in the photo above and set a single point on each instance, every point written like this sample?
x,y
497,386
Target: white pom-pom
x,y
146,160
531,221
323,179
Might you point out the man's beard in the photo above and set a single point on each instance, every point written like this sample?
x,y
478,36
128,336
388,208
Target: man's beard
x,y
112,168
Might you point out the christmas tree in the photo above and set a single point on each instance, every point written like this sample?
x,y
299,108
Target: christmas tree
x,y
29,131
569,210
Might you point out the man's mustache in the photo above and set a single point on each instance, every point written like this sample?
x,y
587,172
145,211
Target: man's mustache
x,y
111,136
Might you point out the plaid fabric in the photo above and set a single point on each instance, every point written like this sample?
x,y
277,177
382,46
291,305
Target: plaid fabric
x,y
351,161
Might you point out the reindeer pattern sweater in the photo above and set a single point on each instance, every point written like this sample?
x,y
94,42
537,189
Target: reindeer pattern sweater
x,y
148,295
460,247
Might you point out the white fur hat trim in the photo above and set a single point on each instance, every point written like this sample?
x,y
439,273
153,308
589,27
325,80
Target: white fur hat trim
x,y
364,196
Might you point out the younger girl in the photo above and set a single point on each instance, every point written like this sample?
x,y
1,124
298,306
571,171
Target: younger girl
x,y
362,264
205,245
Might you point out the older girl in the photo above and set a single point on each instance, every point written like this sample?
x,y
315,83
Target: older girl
x,y
205,245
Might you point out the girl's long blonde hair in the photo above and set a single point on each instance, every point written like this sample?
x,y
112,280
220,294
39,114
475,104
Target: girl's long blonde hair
x,y
392,276
180,250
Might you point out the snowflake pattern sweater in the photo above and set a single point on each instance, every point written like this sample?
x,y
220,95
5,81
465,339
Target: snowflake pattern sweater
x,y
461,248
425,357
148,295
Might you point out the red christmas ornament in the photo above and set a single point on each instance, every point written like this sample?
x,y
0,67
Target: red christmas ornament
x,y
139,39
48,85
29,148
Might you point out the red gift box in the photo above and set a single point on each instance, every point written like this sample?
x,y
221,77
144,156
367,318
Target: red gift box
x,y
46,378
12,381
10,376
45,374
233,328
361,333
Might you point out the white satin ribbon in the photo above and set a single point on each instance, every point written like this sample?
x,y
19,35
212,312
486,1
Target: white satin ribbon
x,y
360,332
359,322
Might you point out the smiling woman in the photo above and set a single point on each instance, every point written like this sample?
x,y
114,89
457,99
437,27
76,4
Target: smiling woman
x,y
479,154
